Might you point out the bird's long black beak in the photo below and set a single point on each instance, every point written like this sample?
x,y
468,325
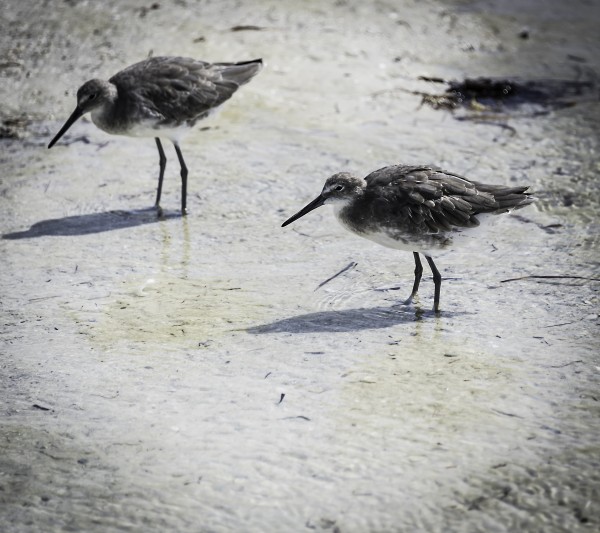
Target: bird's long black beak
x,y
74,116
317,202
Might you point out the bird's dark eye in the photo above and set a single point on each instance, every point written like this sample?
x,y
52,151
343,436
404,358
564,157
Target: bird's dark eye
x,y
339,187
92,96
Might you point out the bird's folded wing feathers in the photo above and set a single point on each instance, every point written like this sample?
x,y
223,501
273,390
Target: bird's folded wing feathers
x,y
429,197
175,91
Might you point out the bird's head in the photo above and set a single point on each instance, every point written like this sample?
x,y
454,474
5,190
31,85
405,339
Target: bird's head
x,y
339,189
91,95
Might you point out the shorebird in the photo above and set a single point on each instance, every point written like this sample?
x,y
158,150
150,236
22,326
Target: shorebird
x,y
422,209
160,97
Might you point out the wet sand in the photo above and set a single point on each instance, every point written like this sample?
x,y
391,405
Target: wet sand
x,y
189,374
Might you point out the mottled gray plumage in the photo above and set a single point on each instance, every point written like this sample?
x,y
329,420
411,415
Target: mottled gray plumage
x,y
160,97
416,208
175,91
425,202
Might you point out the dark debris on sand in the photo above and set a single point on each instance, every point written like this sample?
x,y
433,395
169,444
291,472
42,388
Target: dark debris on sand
x,y
500,94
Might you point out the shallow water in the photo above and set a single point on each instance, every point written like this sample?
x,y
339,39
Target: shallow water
x,y
192,374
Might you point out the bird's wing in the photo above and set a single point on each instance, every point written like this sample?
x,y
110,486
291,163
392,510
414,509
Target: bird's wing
x,y
174,89
427,197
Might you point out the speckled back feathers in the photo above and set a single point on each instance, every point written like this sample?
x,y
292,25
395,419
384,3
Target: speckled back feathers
x,y
427,199
176,90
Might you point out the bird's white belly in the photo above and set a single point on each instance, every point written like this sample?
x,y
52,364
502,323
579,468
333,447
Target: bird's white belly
x,y
147,127
423,245
150,129
144,128
428,244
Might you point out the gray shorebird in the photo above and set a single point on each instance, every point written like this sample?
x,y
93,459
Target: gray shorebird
x,y
421,209
160,97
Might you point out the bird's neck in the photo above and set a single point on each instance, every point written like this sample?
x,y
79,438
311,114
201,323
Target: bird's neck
x,y
105,116
342,207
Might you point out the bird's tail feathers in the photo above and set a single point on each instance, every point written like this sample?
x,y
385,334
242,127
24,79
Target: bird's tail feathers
x,y
512,198
505,198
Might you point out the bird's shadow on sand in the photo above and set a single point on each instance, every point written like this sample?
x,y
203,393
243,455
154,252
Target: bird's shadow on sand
x,y
347,320
92,223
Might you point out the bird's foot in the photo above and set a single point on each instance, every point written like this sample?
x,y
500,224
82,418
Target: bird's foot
x,y
409,300
159,211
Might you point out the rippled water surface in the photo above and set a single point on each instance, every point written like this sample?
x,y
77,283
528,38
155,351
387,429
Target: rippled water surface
x,y
196,374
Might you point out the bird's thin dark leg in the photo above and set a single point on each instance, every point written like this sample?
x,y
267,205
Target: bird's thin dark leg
x,y
437,280
184,174
418,274
163,163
